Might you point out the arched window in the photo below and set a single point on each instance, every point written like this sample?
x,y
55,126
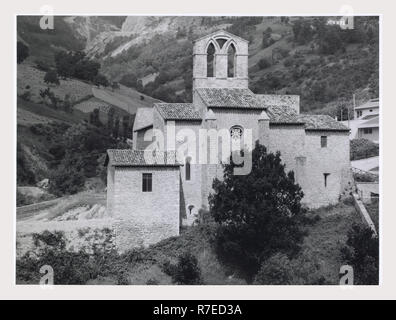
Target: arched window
x,y
231,70
236,134
188,169
210,60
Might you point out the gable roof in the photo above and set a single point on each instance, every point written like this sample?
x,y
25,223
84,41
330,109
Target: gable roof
x,y
283,115
321,123
140,158
289,100
178,111
143,119
229,98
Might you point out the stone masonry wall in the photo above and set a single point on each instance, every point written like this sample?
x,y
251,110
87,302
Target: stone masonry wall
x,y
190,190
144,218
289,140
333,159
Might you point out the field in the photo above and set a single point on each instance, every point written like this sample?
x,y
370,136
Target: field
x,y
125,98
27,75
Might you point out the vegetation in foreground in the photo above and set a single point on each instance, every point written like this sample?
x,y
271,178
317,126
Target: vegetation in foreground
x,y
363,148
296,247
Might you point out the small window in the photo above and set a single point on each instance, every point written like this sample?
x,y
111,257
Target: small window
x,y
323,141
147,181
325,175
359,113
367,130
371,110
188,169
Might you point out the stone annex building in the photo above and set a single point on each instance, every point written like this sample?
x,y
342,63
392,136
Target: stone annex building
x,y
151,200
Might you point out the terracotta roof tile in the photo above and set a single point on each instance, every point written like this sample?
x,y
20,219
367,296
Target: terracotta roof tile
x,y
136,158
178,111
229,98
321,122
283,115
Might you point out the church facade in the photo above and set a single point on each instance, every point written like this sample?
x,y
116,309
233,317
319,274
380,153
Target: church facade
x,y
150,199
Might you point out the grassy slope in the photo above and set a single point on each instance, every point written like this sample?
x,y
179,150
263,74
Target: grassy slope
x,y
322,245
33,112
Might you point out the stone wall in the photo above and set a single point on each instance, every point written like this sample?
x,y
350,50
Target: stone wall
x,y
190,194
143,218
290,141
334,159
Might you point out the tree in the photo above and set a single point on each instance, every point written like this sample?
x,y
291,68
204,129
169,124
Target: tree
x,y
22,52
110,120
116,128
186,271
259,214
101,80
68,103
115,85
66,179
264,63
94,118
51,77
125,127
362,253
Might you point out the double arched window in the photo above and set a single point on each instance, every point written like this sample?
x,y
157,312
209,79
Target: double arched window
x,y
215,47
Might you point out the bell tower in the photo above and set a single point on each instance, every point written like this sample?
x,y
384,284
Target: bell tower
x,y
220,61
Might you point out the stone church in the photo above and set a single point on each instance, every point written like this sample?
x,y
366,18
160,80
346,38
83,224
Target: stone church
x,y
150,200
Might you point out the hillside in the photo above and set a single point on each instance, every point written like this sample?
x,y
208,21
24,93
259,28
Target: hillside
x,y
324,64
42,126
150,59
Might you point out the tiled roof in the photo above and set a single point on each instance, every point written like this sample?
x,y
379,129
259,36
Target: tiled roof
x,y
229,98
178,111
143,119
321,122
283,115
142,158
279,100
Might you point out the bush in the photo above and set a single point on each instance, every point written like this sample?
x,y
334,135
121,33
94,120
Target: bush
x,y
363,148
276,270
362,253
264,63
22,52
186,271
66,180
259,214
51,77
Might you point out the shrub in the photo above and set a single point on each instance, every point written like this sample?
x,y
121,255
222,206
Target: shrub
x,y
362,253
55,239
275,271
51,77
22,52
259,214
363,148
186,271
264,63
